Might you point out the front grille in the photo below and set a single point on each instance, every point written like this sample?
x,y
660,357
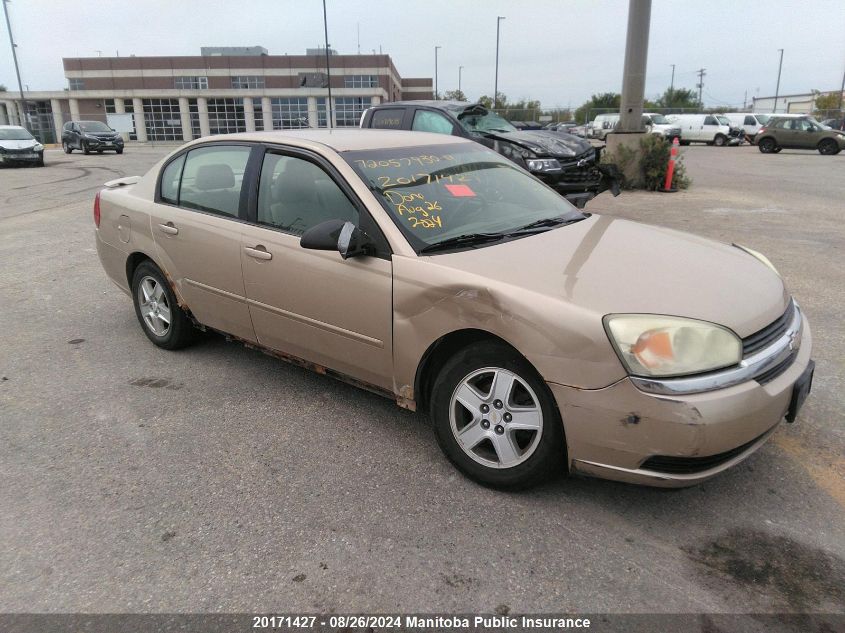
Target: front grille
x,y
770,374
15,152
769,334
690,465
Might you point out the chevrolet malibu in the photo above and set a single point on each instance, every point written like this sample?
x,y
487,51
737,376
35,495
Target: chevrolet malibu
x,y
438,273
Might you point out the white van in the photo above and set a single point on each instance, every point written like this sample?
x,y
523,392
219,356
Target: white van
x,y
653,123
713,129
751,122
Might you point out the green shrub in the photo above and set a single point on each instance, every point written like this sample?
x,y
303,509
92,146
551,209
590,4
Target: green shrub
x,y
649,164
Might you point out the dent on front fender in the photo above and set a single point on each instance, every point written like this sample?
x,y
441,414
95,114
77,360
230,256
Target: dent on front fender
x,y
566,345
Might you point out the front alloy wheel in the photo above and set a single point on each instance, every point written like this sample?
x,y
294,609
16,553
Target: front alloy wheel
x,y
828,147
495,418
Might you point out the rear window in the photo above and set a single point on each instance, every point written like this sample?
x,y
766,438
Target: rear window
x,y
388,119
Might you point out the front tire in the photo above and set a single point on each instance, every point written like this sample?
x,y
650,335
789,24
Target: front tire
x,y
84,147
65,146
158,312
767,145
720,140
495,418
828,147
119,151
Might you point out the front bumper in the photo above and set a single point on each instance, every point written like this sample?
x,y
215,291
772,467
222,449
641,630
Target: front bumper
x,y
21,157
104,143
612,432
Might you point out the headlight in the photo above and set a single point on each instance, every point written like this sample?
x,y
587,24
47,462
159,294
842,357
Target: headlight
x,y
37,147
543,164
759,256
653,345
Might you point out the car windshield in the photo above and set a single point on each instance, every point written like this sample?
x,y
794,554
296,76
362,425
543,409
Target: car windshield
x,y
723,120
94,126
443,192
659,119
481,120
15,134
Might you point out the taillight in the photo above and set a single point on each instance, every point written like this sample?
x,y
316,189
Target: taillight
x,y
97,209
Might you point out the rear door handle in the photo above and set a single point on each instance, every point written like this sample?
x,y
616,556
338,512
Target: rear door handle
x,y
168,228
258,252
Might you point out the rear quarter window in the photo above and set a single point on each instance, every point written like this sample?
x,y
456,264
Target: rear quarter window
x,y
387,119
170,178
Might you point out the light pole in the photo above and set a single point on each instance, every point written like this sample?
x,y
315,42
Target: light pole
x,y
777,88
672,83
460,68
436,48
633,75
496,82
328,70
22,114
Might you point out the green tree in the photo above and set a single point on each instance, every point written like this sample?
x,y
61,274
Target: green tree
x,y
828,101
678,98
487,102
455,95
603,102
2,88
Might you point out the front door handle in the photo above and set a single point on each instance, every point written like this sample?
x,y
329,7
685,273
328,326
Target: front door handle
x,y
168,228
258,252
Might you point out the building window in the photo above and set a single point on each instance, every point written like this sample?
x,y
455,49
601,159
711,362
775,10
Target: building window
x,y
290,114
194,111
76,84
348,110
39,117
248,82
226,116
360,81
321,112
162,119
191,83
258,114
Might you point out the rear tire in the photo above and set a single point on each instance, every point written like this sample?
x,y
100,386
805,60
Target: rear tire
x,y
511,434
828,147
767,145
157,309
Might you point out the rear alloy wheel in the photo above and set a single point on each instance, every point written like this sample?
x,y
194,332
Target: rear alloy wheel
x,y
828,147
767,145
720,140
163,321
495,418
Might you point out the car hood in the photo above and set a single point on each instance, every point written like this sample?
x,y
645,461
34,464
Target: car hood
x,y
606,265
25,144
545,143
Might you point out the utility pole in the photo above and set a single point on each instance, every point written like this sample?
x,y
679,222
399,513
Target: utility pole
x,y
841,91
436,48
496,81
22,114
777,88
460,68
636,56
328,69
700,85
672,83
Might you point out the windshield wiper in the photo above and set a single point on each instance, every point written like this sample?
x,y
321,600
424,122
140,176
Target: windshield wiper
x,y
544,223
470,239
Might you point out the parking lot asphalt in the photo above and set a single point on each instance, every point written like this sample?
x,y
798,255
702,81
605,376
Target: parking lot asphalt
x,y
220,479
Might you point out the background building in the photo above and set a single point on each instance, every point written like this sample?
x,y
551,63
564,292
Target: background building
x,y
797,104
218,92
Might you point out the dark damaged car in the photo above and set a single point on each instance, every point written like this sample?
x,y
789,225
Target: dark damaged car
x,y
568,164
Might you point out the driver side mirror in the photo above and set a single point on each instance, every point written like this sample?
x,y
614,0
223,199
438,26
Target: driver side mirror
x,y
337,235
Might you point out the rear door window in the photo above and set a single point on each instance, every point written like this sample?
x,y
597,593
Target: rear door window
x,y
212,179
749,120
388,119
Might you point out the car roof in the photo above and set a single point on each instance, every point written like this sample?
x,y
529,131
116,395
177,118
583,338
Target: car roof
x,y
12,127
344,140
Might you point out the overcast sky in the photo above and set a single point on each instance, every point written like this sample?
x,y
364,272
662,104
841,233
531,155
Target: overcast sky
x,y
557,51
